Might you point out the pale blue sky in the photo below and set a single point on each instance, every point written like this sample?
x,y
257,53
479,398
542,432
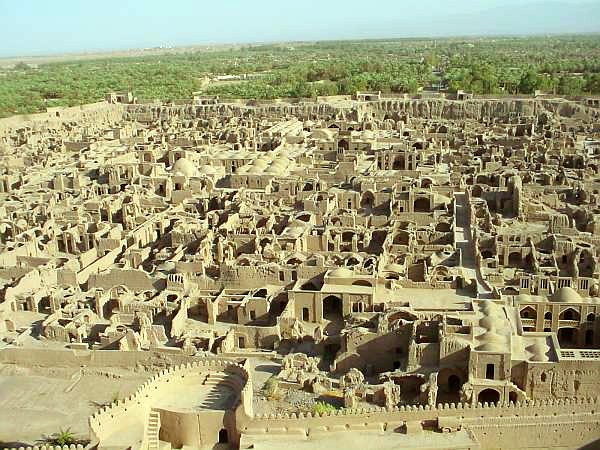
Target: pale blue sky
x,y
30,27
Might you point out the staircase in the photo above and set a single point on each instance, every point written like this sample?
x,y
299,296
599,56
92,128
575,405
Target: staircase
x,y
152,429
214,379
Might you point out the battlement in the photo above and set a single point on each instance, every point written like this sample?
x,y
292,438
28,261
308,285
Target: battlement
x,y
463,409
103,420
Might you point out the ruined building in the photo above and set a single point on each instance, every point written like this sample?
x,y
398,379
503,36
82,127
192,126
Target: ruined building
x,y
378,272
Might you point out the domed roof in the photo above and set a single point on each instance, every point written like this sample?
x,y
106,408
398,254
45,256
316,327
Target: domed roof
x,y
539,350
393,267
322,133
491,347
490,341
491,322
166,266
207,170
341,272
255,170
184,167
566,295
523,298
492,309
276,168
492,337
367,134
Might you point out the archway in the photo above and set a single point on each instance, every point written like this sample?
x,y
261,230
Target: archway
x,y
352,261
569,314
223,436
402,238
591,317
589,338
426,183
399,163
487,254
566,337
450,383
332,308
443,227
514,259
367,201
421,205
454,383
490,396
528,313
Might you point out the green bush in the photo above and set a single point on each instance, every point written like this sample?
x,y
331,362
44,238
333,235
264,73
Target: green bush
x,y
271,388
322,407
568,65
63,437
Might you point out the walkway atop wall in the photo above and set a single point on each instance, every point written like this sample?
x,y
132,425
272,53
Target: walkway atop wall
x,y
464,241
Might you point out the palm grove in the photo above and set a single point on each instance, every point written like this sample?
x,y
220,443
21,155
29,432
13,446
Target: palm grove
x,y
563,65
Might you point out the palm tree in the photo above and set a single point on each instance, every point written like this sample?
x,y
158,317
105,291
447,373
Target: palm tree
x,y
63,437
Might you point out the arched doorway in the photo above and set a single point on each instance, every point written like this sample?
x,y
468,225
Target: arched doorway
x,y
569,314
453,384
367,201
399,163
332,308
449,382
223,436
589,338
566,337
421,205
490,396
514,259
528,313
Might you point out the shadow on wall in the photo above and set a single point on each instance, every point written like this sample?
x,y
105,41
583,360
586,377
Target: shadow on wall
x,y
268,369
4,444
595,445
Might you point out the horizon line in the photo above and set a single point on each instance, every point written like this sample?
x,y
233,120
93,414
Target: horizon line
x,y
107,52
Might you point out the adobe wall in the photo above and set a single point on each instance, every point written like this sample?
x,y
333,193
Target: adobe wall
x,y
93,112
558,423
475,109
49,447
563,379
104,422
133,279
195,430
98,265
93,358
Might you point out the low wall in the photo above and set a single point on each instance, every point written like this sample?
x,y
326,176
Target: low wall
x,y
114,416
545,423
55,118
46,357
50,447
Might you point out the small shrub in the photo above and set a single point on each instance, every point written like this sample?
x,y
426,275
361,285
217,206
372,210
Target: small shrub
x,y
271,388
63,437
322,407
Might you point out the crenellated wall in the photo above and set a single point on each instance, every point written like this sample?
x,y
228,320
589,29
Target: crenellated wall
x,y
104,423
49,447
536,424
475,109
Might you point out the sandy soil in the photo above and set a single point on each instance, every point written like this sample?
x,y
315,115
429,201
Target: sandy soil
x,y
37,402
